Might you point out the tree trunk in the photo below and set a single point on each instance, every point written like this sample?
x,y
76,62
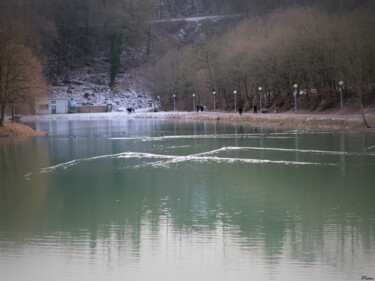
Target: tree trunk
x,y
249,96
149,40
360,94
13,114
2,116
225,99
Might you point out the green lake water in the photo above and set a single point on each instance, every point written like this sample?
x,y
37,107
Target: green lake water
x,y
171,200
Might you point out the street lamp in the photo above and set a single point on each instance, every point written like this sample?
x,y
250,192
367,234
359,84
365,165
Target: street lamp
x,y
214,93
157,102
235,93
194,102
174,102
341,83
295,86
260,98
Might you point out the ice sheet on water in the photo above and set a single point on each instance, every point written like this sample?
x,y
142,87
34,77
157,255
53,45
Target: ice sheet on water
x,y
213,136
221,160
178,146
292,150
164,160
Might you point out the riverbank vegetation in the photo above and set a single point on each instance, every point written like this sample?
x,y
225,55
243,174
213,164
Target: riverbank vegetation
x,y
309,47
17,130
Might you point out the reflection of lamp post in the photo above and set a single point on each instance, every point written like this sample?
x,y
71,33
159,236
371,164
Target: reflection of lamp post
x,y
194,102
235,93
341,83
260,98
174,102
295,86
214,93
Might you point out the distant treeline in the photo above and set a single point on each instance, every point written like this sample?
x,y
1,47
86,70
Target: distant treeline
x,y
71,32
309,47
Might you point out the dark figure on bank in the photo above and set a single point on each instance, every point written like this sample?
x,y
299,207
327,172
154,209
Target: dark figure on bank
x,y
198,108
130,110
202,107
255,109
240,109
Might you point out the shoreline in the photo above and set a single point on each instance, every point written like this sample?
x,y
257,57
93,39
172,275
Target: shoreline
x,y
344,122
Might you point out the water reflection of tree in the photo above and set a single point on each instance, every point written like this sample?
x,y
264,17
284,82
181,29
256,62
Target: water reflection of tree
x,y
286,213
22,201
309,218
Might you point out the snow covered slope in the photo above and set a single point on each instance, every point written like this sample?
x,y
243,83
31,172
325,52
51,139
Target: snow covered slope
x,y
89,84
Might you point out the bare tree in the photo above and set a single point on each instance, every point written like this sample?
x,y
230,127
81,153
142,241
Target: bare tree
x,y
358,53
21,78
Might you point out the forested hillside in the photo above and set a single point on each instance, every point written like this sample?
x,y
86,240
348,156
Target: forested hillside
x,y
109,43
287,56
305,46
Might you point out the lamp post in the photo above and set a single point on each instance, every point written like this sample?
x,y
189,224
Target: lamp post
x,y
157,102
295,86
260,98
341,83
193,102
174,102
214,93
235,106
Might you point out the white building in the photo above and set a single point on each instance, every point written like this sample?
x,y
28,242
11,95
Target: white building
x,y
51,106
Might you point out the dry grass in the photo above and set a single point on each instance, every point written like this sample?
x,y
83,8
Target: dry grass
x,y
17,130
289,121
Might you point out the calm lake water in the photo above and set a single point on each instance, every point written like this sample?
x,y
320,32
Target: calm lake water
x,y
172,200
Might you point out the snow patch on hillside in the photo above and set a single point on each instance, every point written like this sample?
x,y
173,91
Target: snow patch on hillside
x,y
89,86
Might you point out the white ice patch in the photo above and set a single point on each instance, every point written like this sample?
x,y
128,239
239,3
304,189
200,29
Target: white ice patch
x,y
65,165
167,160
178,146
62,165
28,175
291,150
211,159
223,136
298,132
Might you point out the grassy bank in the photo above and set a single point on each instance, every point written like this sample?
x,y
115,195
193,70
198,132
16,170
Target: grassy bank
x,y
17,130
283,120
298,121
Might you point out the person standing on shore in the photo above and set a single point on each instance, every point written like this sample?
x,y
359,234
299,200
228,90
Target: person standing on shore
x,y
197,108
240,109
255,109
